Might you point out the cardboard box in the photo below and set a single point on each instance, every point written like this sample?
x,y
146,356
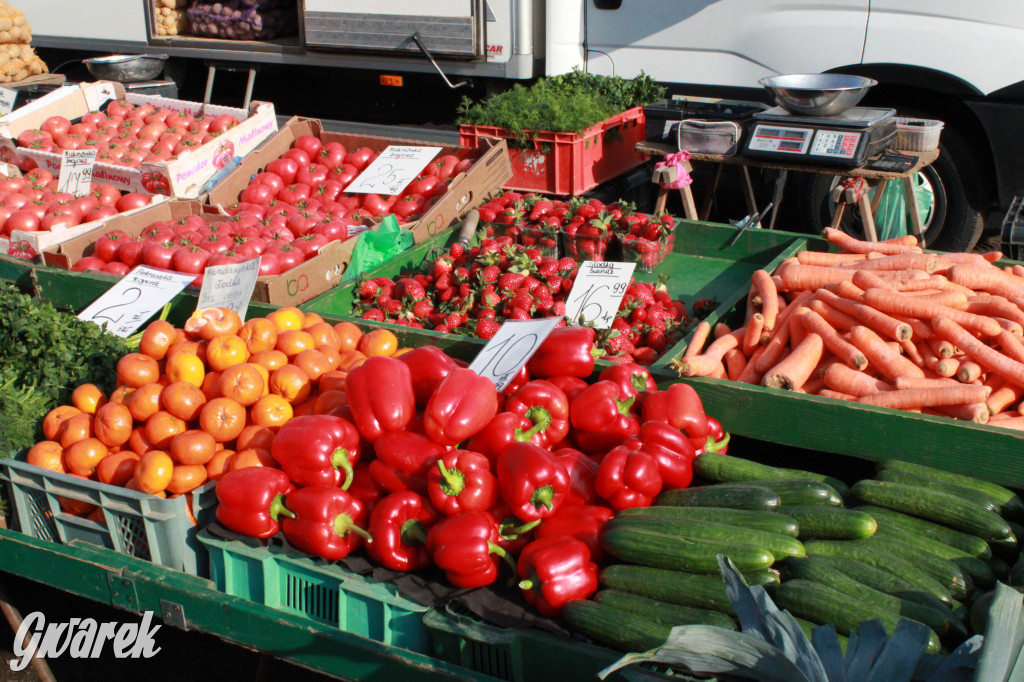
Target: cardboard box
x,y
467,191
189,175
293,287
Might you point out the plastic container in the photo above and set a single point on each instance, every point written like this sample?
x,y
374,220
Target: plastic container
x,y
327,593
645,253
570,163
584,247
545,240
917,134
134,523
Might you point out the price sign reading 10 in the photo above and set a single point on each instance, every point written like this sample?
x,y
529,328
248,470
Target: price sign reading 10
x,y
511,348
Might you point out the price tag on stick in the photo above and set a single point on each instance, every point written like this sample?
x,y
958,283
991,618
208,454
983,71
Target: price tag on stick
x,y
393,170
597,292
7,97
510,349
229,286
135,299
76,171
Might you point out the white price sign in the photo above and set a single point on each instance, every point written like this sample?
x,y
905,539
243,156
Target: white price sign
x,y
76,171
136,298
510,349
229,286
393,170
7,97
597,292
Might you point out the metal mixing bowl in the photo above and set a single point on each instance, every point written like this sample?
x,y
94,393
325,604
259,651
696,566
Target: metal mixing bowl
x,y
128,68
817,94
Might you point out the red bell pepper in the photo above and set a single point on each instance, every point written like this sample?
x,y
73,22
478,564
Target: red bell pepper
x,y
461,482
628,478
680,406
513,532
428,365
404,459
532,481
398,526
250,500
542,401
583,522
466,548
365,487
505,428
717,440
317,449
582,471
328,522
632,378
570,385
380,395
601,417
566,350
671,448
460,407
520,379
555,570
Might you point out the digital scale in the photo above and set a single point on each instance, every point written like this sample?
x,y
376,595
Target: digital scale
x,y
846,140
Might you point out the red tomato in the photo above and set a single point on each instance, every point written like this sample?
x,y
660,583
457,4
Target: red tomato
x,y
463,166
71,141
310,244
250,248
116,268
56,126
332,155
269,265
225,258
361,157
200,124
344,174
424,185
132,200
94,118
408,205
287,256
222,123
152,131
108,244
88,263
284,169
181,121
15,200
276,235
130,253
335,229
59,216
99,213
38,176
141,111
83,129
190,259
120,108
159,254
217,243
11,185
108,195
300,156
310,144
313,174
374,204
85,204
294,193
24,220
36,139
257,193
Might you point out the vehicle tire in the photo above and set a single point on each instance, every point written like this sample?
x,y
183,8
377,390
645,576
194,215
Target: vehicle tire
x,y
955,220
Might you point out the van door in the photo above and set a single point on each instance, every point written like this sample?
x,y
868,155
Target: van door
x,y
722,42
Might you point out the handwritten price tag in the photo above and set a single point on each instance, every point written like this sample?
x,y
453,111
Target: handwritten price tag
x,y
597,292
395,168
7,97
510,349
135,299
229,286
76,171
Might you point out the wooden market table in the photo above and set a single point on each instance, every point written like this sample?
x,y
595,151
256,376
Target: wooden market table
x,y
744,163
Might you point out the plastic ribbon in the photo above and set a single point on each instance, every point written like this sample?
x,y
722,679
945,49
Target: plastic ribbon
x,y
677,159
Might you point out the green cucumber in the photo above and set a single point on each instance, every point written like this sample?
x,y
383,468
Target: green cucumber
x,y
933,505
731,469
855,549
816,569
1011,504
971,544
613,627
780,546
831,523
771,522
796,491
663,550
945,571
978,570
662,611
971,495
1003,571
730,495
701,590
823,604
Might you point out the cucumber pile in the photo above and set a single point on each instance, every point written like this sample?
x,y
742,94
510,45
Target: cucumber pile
x,y
913,542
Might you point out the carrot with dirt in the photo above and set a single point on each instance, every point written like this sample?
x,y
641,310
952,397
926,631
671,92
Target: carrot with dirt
x,y
841,378
918,398
989,358
895,303
909,349
710,361
883,359
1003,395
975,412
843,349
795,369
968,372
947,367
868,316
762,283
853,245
698,339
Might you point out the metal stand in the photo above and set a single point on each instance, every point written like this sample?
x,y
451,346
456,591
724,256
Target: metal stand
x,y
211,73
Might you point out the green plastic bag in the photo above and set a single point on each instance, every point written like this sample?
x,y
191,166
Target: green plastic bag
x,y
892,219
376,246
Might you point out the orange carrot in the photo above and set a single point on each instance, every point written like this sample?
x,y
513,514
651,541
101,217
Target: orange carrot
x,y
762,282
797,332
829,393
844,350
934,282
828,259
750,373
947,367
952,299
1015,423
853,245
942,348
995,306
920,331
975,412
793,370
720,330
969,371
989,358
1010,325
849,290
865,279
1004,395
883,359
911,398
813,385
797,277
752,334
902,240
710,360
986,278
1008,414
928,357
896,303
734,362
909,349
839,321
875,319
993,256
1017,269
698,339
841,378
903,261
1012,346
922,382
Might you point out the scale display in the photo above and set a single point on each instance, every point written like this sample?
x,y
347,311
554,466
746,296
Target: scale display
x,y
845,140
837,144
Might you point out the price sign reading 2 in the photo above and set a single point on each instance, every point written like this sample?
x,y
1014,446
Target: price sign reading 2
x,y
597,292
107,314
137,297
510,349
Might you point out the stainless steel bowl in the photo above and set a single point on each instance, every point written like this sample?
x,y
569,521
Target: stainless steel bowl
x,y
126,68
817,94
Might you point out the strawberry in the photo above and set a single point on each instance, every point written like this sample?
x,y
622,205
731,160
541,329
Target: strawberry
x,y
422,309
703,307
443,328
645,356
369,289
558,309
540,209
519,314
457,250
454,320
489,274
510,281
443,282
486,329
375,314
443,266
392,307
566,265
521,299
656,339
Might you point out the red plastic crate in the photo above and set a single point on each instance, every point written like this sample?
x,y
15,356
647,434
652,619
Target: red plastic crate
x,y
570,163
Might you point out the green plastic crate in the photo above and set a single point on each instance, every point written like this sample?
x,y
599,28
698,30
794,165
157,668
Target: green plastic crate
x,y
326,593
135,523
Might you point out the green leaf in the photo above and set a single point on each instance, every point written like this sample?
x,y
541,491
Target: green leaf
x,y
899,657
1004,635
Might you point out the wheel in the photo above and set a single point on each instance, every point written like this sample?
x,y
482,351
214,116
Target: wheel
x,y
953,222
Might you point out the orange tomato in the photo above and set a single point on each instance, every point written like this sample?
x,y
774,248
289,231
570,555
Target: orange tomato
x,y
137,442
157,339
55,421
305,407
269,359
187,366
259,334
348,336
252,457
144,401
223,418
113,424
226,350
332,355
87,397
75,507
47,454
242,383
77,428
291,382
349,358
186,478
121,394
219,465
323,334
162,427
211,385
400,351
312,362
292,341
287,317
310,318
197,347
271,410
211,322
193,447
117,468
378,342
137,369
255,436
328,400
183,400
153,472
83,456
332,380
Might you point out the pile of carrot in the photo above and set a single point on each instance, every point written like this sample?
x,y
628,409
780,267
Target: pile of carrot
x,y
880,323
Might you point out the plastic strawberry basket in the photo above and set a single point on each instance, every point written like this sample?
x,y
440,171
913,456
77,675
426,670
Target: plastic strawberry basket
x,y
327,593
134,523
570,163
